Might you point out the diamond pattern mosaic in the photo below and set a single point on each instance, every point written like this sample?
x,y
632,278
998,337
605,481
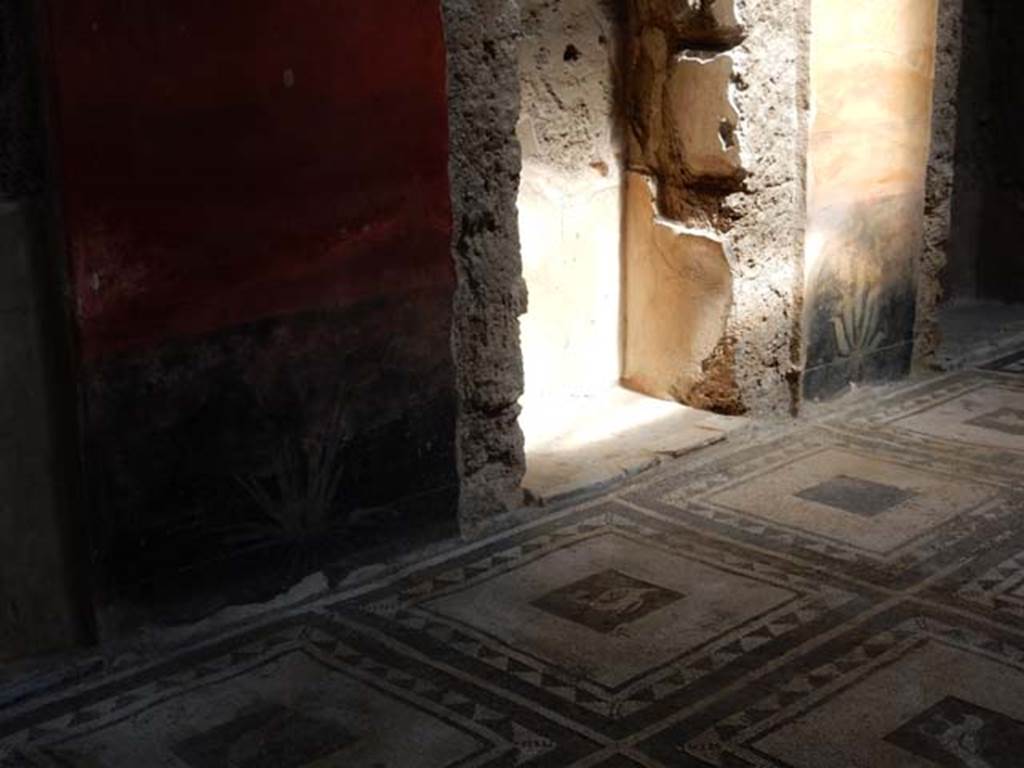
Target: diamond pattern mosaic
x,y
843,593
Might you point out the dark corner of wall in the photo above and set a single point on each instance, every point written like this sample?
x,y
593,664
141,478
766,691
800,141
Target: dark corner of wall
x,y
44,597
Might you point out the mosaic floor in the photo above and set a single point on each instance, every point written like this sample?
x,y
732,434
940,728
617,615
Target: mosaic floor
x,y
850,593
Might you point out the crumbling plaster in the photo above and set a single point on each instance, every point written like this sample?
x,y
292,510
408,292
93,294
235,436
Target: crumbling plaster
x,y
678,294
751,199
758,215
748,63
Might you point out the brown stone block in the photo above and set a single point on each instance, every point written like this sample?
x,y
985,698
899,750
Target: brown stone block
x,y
678,293
649,57
712,23
701,119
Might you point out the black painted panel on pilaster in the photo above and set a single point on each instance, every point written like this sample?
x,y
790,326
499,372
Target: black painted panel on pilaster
x,y
860,293
226,468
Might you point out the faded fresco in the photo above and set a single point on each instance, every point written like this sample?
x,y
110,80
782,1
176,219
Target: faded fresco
x,y
872,72
259,231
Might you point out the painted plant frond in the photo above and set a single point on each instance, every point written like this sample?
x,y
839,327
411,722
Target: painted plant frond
x,y
299,497
858,327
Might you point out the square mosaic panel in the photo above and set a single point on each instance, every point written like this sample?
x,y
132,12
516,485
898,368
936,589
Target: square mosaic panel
x,y
958,733
608,616
893,681
988,416
856,495
268,736
889,516
526,608
606,601
914,501
974,419
309,693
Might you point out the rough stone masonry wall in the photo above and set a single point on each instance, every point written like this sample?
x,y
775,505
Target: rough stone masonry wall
x,y
483,79
939,183
770,90
708,71
752,367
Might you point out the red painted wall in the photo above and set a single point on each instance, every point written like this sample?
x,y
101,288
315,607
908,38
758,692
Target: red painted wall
x,y
257,214
241,159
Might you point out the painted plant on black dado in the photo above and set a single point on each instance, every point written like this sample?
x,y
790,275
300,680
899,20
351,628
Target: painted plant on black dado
x,y
248,478
227,469
860,294
859,332
297,503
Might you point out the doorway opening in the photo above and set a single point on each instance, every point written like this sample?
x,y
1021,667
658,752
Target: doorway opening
x,y
628,140
981,311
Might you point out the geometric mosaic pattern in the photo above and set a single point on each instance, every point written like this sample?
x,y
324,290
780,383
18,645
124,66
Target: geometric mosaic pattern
x,y
971,419
992,584
880,699
1000,588
848,592
1009,421
988,417
1010,364
306,694
721,608
882,514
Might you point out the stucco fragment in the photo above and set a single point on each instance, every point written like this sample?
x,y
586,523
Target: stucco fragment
x,y
678,290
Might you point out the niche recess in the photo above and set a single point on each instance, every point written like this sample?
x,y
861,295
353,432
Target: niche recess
x,y
630,144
